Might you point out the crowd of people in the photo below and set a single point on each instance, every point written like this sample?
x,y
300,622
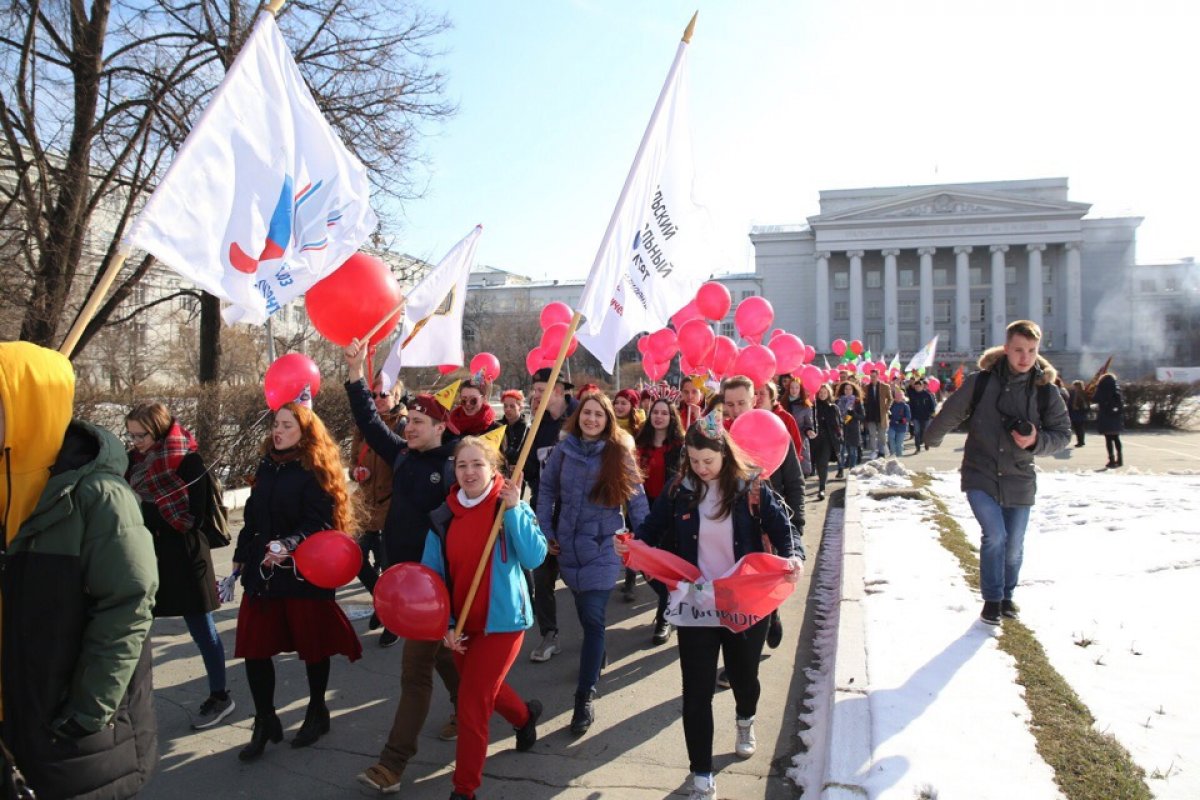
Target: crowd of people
x,y
658,464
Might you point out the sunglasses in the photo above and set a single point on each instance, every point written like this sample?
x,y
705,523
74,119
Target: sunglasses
x,y
380,395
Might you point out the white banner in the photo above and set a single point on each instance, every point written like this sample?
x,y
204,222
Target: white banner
x,y
263,200
924,357
655,252
431,332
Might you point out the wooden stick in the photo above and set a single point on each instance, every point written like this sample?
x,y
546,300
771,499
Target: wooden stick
x,y
530,435
366,337
93,303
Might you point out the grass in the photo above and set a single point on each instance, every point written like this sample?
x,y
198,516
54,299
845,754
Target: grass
x,y
1087,764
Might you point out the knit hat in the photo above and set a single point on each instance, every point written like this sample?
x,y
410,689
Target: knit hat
x,y
631,395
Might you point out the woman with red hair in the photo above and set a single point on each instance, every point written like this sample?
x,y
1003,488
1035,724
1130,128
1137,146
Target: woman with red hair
x,y
299,489
630,416
515,425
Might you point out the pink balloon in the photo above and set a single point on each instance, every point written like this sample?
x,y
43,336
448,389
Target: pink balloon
x,y
328,559
687,367
713,301
880,367
812,378
810,353
535,361
686,315
850,368
663,344
486,363
655,370
722,356
286,378
856,347
446,369
762,437
752,318
789,353
695,340
556,313
756,362
411,601
838,347
776,333
643,344
552,339
867,368
934,385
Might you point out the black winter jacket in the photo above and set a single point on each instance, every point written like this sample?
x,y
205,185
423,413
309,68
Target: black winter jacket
x,y
922,404
548,434
788,483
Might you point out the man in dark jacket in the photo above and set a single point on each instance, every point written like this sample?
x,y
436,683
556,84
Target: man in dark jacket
x,y
79,578
422,474
561,405
922,404
1019,415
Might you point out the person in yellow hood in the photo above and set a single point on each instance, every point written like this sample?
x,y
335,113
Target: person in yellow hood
x,y
78,583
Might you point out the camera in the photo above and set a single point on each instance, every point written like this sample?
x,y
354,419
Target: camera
x,y
1021,426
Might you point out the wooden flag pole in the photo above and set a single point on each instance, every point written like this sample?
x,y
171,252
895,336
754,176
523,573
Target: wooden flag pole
x,y
530,435
93,304
366,337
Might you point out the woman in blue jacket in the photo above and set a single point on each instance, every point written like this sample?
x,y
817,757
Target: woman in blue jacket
x,y
501,611
588,483
715,514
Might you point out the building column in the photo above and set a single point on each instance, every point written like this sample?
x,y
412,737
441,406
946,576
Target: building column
x,y
856,294
999,300
926,292
1037,306
1074,297
962,298
891,303
823,338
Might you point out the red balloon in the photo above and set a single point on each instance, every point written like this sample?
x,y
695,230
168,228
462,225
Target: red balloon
x,y
722,356
348,303
810,353
812,378
555,313
838,347
663,344
655,370
446,369
552,339
696,340
761,436
286,378
713,301
643,344
688,368
486,363
934,385
411,601
752,318
856,347
756,362
880,367
686,315
328,559
534,361
867,368
789,353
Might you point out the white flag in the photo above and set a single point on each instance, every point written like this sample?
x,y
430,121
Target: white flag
x,y
263,200
924,357
431,333
655,252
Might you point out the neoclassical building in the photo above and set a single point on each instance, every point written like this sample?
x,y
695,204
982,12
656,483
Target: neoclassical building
x,y
893,266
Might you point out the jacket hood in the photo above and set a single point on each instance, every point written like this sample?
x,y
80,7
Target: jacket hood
x,y
37,393
1043,371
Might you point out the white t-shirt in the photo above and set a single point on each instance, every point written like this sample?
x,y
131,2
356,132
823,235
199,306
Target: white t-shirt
x,y
716,537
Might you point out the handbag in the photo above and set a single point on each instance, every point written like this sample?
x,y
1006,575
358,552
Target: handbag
x,y
12,782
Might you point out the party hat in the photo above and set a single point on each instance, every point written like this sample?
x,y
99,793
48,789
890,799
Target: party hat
x,y
495,437
446,396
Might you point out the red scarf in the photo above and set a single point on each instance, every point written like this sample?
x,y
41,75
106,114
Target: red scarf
x,y
654,467
153,475
465,540
465,424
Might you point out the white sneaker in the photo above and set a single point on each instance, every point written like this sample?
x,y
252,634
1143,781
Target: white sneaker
x,y
746,743
547,648
704,787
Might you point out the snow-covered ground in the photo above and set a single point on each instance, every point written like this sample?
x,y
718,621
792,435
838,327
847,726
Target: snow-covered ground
x,y
1109,586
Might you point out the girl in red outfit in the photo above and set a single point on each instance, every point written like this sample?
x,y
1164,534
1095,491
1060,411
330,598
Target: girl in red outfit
x,y
496,622
659,445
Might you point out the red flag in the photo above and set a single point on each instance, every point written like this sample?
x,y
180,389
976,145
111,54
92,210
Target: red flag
x,y
958,377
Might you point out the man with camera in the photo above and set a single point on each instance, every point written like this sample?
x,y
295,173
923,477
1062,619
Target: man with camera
x,y
1013,413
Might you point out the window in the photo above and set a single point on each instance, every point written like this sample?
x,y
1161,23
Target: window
x,y
941,311
468,336
1149,285
941,277
908,310
140,332
1171,285
874,310
139,294
979,336
874,279
841,280
1010,305
745,293
1174,322
1047,339
727,329
1048,307
841,310
943,336
977,276
1048,273
908,278
908,341
1010,275
979,309
874,341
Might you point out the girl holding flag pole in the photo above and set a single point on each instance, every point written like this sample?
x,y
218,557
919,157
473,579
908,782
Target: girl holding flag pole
x,y
715,513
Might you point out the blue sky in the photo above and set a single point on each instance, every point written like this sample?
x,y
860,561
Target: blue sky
x,y
789,98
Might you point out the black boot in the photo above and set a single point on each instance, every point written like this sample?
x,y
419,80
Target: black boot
x,y
266,728
584,714
316,725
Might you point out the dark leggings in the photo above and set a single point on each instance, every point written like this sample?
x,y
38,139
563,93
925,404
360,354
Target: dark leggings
x,y
1112,443
1078,427
260,674
821,451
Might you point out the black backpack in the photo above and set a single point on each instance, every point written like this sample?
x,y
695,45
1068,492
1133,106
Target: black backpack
x,y
214,524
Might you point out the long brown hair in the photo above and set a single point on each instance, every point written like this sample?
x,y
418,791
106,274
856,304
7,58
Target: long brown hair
x,y
154,417
320,455
620,476
645,436
734,469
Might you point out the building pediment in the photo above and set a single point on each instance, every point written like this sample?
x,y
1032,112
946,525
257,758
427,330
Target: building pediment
x,y
943,204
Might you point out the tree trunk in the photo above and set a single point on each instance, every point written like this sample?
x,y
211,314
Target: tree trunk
x,y
208,413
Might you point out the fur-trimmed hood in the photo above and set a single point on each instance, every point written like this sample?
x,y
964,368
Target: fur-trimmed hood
x,y
1043,371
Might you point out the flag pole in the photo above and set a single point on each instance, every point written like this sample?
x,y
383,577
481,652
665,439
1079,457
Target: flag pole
x,y
518,468
114,268
366,337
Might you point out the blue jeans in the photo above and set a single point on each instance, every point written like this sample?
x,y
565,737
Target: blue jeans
x,y
1003,544
919,426
204,633
896,440
850,455
591,606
